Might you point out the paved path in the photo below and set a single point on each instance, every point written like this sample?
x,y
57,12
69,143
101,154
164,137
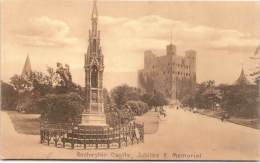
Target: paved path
x,y
182,135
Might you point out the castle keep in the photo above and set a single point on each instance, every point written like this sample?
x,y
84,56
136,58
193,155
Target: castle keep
x,y
172,75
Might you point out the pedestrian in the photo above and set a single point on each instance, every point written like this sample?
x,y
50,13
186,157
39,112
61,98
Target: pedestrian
x,y
162,112
222,117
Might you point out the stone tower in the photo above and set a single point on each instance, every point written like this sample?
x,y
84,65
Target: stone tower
x,y
93,114
191,59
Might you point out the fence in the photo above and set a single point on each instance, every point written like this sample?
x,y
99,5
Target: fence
x,y
69,135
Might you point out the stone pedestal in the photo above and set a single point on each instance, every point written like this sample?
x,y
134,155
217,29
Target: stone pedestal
x,y
93,119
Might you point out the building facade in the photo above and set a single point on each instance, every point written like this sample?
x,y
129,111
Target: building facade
x,y
93,114
172,75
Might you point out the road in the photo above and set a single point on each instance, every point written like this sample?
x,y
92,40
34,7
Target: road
x,y
181,136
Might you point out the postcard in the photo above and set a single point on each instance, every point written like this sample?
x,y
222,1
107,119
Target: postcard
x,y
130,80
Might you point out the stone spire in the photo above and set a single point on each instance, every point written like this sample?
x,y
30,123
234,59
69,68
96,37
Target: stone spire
x,y
27,66
242,80
94,19
94,11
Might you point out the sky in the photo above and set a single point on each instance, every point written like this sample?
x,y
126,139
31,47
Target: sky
x,y
224,34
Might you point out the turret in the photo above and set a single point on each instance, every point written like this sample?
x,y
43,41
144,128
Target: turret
x,y
191,57
171,49
148,59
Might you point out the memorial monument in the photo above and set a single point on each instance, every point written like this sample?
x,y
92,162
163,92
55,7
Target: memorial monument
x,y
93,114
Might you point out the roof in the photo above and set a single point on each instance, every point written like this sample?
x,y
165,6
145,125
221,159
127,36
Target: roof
x,y
27,66
242,80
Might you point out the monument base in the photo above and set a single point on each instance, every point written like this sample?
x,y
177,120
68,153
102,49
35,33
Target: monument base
x,y
93,120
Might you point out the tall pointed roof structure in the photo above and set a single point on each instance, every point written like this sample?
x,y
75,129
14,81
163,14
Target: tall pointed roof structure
x,y
95,11
242,80
27,66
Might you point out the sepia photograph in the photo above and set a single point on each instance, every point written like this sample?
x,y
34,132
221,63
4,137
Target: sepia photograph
x,y
130,80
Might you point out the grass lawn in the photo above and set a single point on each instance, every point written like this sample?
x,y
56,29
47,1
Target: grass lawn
x,y
25,123
249,122
150,120
252,122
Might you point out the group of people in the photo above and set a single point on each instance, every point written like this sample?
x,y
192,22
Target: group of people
x,y
161,111
225,116
194,110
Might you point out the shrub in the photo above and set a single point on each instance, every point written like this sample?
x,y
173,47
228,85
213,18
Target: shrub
x,y
158,99
137,107
116,116
61,108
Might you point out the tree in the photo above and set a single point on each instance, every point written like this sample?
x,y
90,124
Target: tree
x,y
256,59
206,96
125,104
137,107
106,97
8,96
158,99
121,94
58,81
21,83
28,88
188,100
38,84
241,100
147,98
